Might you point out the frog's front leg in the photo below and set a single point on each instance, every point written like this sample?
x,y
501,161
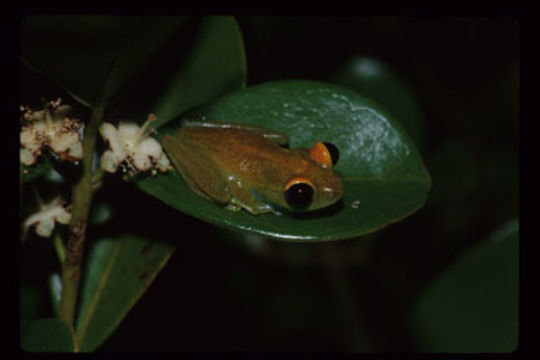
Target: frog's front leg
x,y
242,198
197,169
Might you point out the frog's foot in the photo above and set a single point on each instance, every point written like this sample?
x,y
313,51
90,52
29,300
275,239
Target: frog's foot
x,y
254,207
233,207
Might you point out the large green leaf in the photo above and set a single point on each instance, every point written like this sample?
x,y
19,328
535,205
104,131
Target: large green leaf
x,y
384,177
473,306
117,274
47,335
187,74
82,54
378,81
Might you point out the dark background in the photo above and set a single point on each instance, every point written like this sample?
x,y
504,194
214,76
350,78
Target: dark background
x,y
225,291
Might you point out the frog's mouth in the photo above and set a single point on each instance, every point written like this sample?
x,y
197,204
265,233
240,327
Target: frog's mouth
x,y
321,212
279,209
276,208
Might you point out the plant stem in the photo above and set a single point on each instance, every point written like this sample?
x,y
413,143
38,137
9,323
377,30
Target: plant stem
x,y
60,248
81,201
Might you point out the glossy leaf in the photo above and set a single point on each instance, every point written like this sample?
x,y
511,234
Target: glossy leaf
x,y
473,306
378,81
187,73
117,274
47,335
384,177
82,54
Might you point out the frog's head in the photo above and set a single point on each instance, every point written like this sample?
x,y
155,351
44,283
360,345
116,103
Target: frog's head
x,y
317,185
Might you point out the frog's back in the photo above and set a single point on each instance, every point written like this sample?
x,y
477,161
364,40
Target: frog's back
x,y
244,167
241,153
229,141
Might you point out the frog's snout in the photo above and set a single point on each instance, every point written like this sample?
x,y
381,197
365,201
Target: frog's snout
x,y
332,190
331,195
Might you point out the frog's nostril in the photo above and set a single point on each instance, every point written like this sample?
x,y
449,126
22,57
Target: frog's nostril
x,y
330,193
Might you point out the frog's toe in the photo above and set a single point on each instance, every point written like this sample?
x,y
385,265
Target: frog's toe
x,y
233,207
260,209
268,208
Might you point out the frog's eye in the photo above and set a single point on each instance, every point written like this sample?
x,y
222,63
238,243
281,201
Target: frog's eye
x,y
333,150
299,193
325,153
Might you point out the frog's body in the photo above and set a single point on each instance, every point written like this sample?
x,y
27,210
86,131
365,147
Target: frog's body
x,y
244,166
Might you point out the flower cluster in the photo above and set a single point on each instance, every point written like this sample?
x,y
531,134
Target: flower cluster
x,y
50,128
132,149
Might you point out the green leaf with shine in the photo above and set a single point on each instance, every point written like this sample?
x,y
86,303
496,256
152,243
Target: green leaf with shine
x,y
384,177
47,335
117,274
473,306
378,81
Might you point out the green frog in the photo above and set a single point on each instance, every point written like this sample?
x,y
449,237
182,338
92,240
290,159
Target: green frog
x,y
249,167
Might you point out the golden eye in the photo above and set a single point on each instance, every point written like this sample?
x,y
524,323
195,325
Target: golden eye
x,y
324,153
333,150
299,193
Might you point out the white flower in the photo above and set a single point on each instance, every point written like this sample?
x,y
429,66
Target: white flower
x,y
53,130
131,147
44,220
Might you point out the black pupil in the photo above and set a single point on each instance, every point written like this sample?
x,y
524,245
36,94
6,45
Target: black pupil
x,y
334,152
299,196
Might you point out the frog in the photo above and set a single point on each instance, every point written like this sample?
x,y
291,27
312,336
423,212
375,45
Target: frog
x,y
242,166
